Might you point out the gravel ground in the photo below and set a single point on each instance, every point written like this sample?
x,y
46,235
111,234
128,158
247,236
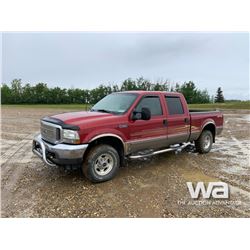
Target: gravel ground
x,y
152,187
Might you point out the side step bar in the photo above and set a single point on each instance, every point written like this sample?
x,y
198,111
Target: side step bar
x,y
177,150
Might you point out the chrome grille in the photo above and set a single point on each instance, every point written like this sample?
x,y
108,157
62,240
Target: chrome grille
x,y
51,132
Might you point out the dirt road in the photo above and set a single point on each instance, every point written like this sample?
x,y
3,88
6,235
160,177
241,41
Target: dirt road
x,y
153,187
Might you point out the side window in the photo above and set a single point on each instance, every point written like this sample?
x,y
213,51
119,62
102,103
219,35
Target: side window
x,y
174,105
151,102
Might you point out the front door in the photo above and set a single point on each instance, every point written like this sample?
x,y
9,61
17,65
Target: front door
x,y
149,134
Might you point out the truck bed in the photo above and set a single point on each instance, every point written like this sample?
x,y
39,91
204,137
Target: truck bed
x,y
198,118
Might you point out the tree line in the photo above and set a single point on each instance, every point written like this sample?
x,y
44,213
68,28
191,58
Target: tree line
x,y
40,93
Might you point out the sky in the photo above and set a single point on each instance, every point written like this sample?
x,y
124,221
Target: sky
x,y
86,60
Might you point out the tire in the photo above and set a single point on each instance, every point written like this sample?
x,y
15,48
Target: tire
x,y
204,143
101,164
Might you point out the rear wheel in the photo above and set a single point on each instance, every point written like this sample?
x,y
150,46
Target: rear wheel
x,y
204,143
101,164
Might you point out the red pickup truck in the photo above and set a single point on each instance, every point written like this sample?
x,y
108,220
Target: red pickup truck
x,y
130,124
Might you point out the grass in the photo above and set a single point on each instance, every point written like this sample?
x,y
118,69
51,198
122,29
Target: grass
x,y
226,105
49,106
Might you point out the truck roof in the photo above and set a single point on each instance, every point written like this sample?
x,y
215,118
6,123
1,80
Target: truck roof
x,y
140,92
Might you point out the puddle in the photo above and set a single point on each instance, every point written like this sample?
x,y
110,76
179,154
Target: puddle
x,y
196,176
233,155
246,118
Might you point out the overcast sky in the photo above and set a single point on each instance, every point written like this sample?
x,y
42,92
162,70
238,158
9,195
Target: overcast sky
x,y
85,60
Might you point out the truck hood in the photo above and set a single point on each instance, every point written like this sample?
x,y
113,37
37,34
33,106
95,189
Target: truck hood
x,y
77,118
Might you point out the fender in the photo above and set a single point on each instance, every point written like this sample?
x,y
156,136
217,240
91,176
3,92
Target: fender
x,y
107,135
125,147
206,122
97,134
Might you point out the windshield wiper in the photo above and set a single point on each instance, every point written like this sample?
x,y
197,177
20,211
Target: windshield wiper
x,y
102,110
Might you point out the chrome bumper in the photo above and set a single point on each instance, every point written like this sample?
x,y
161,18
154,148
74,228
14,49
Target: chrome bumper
x,y
59,152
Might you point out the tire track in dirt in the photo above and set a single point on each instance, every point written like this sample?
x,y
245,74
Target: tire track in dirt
x,y
10,173
13,149
13,170
13,164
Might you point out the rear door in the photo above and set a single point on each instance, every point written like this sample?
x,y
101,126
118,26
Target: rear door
x,y
149,134
178,122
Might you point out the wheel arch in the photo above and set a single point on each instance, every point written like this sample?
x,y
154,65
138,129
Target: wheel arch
x,y
110,139
210,125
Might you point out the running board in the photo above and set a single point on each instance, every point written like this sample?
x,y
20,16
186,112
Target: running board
x,y
177,150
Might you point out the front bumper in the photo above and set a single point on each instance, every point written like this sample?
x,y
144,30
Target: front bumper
x,y
59,154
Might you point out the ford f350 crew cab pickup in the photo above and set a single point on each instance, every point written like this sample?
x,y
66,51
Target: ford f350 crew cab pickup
x,y
130,124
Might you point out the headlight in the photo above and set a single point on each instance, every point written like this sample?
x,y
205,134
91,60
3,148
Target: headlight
x,y
71,136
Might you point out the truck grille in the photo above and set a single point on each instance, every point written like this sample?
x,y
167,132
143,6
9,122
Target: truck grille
x,y
51,132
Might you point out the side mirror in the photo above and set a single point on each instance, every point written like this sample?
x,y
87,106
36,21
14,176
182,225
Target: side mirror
x,y
145,114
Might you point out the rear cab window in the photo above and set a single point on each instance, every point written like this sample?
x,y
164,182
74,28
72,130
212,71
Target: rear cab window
x,y
153,103
174,105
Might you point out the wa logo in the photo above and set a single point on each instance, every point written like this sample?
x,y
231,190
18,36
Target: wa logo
x,y
217,190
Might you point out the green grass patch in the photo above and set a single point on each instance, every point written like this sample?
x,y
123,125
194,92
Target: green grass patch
x,y
226,105
49,106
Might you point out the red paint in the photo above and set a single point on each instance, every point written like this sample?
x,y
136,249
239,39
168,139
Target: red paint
x,y
95,123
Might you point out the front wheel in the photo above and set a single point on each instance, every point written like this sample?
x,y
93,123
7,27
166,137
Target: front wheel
x,y
204,143
101,164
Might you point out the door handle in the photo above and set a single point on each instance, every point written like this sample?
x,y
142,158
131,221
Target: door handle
x,y
186,120
165,122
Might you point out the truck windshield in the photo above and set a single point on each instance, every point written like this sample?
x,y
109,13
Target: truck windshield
x,y
117,103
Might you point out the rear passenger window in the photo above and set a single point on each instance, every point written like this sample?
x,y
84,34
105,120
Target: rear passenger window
x,y
151,102
174,105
